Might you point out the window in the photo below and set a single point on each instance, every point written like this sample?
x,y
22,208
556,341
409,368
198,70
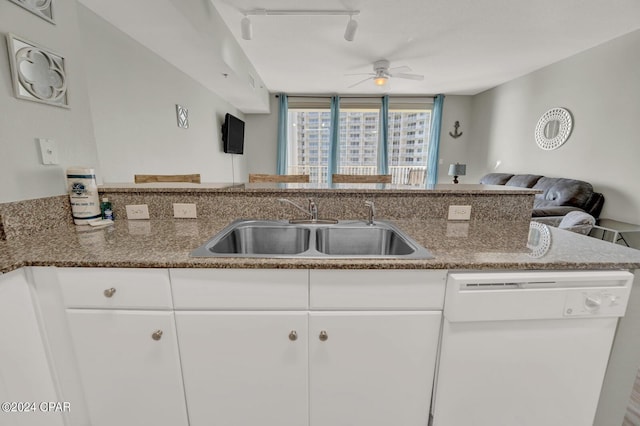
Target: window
x,y
358,137
309,127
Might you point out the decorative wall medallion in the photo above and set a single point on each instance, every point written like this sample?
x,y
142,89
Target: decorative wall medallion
x,y
553,128
38,74
42,8
183,116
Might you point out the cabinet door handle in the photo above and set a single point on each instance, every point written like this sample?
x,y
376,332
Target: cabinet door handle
x,y
323,336
109,292
157,335
293,336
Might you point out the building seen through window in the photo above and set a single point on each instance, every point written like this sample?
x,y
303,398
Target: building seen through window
x,y
359,141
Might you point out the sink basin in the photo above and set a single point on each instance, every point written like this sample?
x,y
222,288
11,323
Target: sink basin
x,y
345,239
254,239
370,241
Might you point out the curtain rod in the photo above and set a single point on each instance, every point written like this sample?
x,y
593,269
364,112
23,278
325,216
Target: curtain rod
x,y
357,96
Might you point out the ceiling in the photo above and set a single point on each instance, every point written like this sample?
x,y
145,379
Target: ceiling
x,y
460,46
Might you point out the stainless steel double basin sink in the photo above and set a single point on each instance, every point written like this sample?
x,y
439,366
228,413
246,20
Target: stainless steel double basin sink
x,y
281,239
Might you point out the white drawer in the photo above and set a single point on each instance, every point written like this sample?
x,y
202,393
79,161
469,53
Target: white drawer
x,y
115,288
377,289
240,288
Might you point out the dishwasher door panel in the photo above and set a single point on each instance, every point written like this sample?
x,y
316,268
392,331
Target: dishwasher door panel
x,y
522,372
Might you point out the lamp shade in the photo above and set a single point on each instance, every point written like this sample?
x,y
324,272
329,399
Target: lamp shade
x,y
457,169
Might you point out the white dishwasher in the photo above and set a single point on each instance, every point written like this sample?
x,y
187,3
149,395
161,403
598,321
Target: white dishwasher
x,y
526,348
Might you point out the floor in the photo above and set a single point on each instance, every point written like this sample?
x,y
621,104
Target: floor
x,y
632,418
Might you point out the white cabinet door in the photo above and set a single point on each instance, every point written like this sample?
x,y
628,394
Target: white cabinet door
x,y
129,378
24,370
372,368
245,368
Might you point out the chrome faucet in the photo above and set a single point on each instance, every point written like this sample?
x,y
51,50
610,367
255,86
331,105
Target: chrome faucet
x,y
372,212
312,210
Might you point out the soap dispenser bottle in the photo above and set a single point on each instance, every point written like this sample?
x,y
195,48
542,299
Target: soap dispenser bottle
x,y
105,208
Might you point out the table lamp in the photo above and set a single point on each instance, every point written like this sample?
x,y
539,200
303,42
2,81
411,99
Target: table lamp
x,y
456,170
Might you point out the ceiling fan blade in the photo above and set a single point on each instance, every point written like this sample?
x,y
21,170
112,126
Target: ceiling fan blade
x,y
409,76
403,68
360,82
361,73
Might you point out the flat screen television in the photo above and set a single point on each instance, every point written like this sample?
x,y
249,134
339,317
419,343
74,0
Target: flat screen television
x,y
233,134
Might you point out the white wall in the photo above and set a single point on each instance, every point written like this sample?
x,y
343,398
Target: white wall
x,y
456,150
262,137
601,88
22,121
133,94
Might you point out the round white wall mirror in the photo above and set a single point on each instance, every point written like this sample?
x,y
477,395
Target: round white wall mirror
x,y
553,128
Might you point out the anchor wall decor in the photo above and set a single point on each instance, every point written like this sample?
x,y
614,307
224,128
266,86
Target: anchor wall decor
x,y
455,133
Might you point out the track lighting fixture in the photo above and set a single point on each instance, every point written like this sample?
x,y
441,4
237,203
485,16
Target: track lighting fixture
x,y
352,27
246,28
349,33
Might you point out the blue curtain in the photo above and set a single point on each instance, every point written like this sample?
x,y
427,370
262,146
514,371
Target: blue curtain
x,y
434,141
334,138
383,161
283,128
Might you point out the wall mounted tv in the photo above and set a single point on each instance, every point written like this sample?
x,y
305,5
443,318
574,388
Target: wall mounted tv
x,y
233,134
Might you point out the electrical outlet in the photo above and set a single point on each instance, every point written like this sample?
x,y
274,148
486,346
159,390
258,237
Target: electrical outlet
x,y
459,213
184,211
137,211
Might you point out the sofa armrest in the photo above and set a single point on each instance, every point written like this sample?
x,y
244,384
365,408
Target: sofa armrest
x,y
554,211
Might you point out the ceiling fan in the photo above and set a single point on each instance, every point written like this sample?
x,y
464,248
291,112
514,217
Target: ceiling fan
x,y
382,73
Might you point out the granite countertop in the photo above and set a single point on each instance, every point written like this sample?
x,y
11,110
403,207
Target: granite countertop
x,y
346,188
455,245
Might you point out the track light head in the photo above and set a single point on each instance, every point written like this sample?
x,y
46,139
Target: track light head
x,y
246,28
350,32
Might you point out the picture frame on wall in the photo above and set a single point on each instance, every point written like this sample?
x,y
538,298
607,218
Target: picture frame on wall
x,y
41,8
38,74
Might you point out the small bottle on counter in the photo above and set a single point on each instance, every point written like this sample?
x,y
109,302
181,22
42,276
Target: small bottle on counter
x,y
105,208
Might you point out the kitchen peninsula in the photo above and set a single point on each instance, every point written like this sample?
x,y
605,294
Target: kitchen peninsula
x,y
129,296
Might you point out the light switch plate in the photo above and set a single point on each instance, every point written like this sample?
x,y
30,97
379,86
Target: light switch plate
x,y
137,211
48,151
459,213
184,211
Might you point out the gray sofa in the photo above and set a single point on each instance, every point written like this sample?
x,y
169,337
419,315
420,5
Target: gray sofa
x,y
559,195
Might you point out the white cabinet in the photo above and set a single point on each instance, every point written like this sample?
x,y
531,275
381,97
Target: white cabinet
x,y
321,348
372,368
373,340
128,359
244,368
25,375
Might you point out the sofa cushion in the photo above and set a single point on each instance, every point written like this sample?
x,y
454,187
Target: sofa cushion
x,y
523,181
561,192
495,178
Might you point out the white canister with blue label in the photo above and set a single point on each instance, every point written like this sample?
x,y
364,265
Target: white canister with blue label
x,y
83,194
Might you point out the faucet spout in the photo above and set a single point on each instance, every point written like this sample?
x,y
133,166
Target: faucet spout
x,y
372,212
299,207
311,211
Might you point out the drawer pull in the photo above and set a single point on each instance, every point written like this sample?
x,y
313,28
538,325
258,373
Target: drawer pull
x,y
109,292
293,336
157,335
323,336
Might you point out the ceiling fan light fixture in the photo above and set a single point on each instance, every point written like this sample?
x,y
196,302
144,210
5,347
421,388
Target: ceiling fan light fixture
x,y
246,28
380,80
350,31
